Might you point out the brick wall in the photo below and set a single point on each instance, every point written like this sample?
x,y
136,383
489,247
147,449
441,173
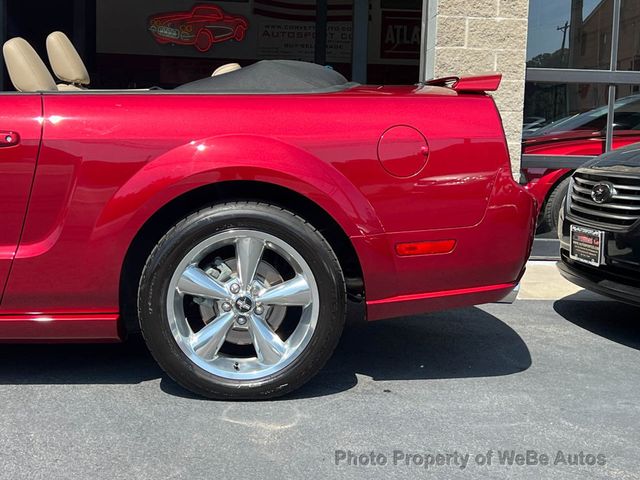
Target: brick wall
x,y
475,36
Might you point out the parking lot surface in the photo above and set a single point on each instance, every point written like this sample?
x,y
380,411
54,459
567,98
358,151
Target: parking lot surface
x,y
552,377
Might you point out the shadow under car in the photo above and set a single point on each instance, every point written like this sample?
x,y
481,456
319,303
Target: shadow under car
x,y
456,344
616,321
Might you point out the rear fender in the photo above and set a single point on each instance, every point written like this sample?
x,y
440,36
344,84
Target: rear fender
x,y
236,158
541,187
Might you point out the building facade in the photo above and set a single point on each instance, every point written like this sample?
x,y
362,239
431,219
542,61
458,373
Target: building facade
x,y
464,37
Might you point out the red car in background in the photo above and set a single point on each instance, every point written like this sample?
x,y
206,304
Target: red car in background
x,y
201,27
583,134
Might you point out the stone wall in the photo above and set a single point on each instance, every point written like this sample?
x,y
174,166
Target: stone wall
x,y
475,36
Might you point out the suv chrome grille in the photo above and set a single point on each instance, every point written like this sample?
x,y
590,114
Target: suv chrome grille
x,y
622,210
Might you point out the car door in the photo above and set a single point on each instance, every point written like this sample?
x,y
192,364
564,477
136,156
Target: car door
x,y
20,132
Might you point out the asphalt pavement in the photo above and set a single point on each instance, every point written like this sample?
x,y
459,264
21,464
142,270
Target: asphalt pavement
x,y
544,388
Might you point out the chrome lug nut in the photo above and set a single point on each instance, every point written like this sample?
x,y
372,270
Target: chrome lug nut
x,y
235,288
241,320
226,306
259,310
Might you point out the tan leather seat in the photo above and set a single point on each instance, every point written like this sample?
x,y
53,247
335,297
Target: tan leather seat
x,y
226,68
66,62
27,71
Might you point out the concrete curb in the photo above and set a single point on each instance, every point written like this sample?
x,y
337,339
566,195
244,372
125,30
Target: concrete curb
x,y
542,281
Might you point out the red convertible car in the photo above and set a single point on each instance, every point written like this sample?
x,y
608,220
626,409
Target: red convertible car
x,y
201,27
232,218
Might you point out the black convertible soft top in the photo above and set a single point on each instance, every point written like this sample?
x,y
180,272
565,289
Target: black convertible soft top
x,y
272,76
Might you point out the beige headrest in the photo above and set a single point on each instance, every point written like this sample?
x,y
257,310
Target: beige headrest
x,y
27,71
67,87
226,68
65,60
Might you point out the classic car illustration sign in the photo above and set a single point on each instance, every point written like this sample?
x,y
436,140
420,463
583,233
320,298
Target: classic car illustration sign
x,y
201,27
251,30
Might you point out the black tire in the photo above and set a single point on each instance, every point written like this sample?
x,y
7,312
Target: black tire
x,y
552,207
269,219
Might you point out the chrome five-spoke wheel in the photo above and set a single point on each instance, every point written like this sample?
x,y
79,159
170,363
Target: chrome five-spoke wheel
x,y
242,301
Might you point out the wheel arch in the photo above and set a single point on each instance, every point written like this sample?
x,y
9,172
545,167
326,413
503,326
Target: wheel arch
x,y
228,191
229,158
552,182
556,183
543,187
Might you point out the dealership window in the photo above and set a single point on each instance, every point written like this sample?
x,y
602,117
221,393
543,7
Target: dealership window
x,y
169,42
566,110
583,79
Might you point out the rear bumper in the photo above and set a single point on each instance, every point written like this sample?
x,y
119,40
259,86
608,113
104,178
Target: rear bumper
x,y
512,296
486,265
435,301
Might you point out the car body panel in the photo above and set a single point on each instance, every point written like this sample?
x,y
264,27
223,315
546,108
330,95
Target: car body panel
x,y
622,138
483,265
566,143
109,161
60,328
19,115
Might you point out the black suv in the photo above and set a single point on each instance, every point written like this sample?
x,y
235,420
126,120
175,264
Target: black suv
x,y
599,227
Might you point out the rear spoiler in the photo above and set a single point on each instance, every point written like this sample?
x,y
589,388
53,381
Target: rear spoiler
x,y
475,83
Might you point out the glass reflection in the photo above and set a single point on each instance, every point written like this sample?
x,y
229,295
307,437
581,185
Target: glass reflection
x,y
629,43
570,34
564,107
